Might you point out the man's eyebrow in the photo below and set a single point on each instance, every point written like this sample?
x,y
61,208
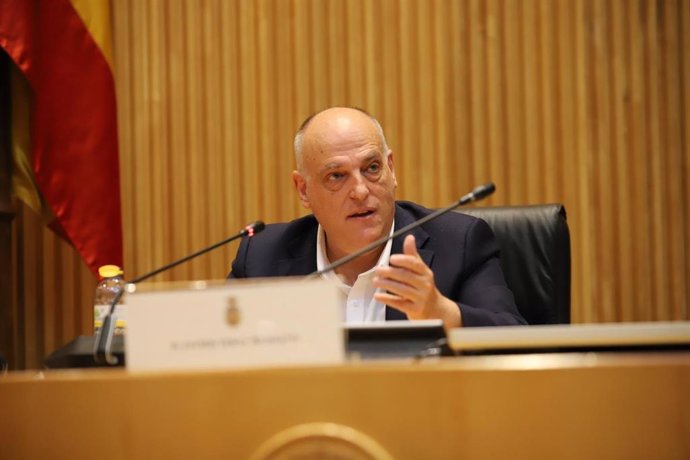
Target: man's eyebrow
x,y
373,155
370,156
330,166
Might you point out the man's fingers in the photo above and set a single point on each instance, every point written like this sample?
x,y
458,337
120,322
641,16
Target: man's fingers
x,y
401,275
410,246
401,289
410,259
407,283
412,265
406,306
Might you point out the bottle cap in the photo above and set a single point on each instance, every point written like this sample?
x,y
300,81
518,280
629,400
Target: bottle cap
x,y
108,271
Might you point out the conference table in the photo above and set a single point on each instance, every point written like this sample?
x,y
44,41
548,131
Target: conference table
x,y
625,405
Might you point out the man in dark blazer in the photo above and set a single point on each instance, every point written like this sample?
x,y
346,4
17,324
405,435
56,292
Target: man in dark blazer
x,y
446,269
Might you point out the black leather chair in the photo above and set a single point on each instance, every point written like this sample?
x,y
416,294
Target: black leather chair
x,y
535,257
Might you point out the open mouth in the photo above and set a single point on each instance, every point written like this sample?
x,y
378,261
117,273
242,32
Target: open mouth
x,y
362,214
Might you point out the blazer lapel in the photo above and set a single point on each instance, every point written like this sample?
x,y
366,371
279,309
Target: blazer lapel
x,y
403,218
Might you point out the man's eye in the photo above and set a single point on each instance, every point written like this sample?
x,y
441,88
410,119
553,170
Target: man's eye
x,y
374,168
334,176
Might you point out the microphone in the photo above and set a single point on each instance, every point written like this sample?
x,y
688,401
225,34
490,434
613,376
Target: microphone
x,y
102,351
478,193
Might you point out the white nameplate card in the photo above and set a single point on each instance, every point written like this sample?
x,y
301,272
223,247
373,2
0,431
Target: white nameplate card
x,y
239,324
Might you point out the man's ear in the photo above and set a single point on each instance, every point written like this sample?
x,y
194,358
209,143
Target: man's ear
x,y
301,187
389,160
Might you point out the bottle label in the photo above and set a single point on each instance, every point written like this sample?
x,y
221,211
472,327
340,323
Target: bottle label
x,y
99,312
120,315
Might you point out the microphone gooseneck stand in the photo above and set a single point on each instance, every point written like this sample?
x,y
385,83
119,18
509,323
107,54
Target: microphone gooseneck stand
x,y
478,193
102,352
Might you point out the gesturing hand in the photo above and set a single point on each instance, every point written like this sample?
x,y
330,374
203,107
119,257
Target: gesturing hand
x,y
410,288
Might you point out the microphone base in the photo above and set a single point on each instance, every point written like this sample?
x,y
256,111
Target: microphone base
x,y
79,353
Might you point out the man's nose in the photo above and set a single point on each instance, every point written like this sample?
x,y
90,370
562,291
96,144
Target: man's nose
x,y
360,189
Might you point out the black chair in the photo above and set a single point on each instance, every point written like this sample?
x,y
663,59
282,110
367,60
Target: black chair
x,y
535,257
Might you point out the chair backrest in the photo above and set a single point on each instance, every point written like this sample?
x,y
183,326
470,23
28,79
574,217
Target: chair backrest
x,y
535,257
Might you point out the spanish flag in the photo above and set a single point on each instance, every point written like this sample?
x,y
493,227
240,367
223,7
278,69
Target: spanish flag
x,y
64,120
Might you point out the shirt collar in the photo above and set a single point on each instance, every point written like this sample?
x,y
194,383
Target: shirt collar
x,y
322,257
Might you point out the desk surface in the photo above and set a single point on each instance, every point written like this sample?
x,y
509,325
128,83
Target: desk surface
x,y
579,405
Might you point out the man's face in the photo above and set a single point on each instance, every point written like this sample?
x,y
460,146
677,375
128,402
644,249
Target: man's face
x,y
347,180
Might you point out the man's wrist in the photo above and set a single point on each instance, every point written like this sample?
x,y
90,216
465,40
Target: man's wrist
x,y
449,312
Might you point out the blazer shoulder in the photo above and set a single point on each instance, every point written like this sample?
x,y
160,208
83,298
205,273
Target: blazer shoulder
x,y
287,233
261,255
450,223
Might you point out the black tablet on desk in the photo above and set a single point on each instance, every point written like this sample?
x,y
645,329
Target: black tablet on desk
x,y
396,339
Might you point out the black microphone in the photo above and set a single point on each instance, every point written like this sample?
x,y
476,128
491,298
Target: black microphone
x,y
478,193
102,350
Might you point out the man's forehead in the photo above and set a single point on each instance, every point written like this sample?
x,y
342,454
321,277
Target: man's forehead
x,y
340,125
322,146
339,116
340,160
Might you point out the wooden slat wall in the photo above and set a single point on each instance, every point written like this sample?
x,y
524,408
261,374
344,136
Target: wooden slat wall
x,y
583,102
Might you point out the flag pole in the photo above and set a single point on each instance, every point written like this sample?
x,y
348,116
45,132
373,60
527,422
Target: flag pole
x,y
7,318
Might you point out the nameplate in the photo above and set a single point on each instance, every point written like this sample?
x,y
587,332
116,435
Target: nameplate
x,y
280,322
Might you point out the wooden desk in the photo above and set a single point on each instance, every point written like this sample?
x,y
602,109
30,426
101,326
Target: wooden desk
x,y
577,406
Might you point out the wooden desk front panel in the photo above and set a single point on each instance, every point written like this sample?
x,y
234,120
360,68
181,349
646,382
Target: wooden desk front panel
x,y
534,406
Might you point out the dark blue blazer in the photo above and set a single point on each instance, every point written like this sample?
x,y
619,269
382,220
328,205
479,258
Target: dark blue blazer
x,y
461,250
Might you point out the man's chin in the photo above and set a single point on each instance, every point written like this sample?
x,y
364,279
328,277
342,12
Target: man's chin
x,y
368,236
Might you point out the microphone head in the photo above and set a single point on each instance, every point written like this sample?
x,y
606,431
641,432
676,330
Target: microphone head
x,y
483,191
256,226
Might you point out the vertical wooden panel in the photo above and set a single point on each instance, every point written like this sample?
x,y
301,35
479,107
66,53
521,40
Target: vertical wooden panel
x,y
496,123
157,108
423,60
581,214
231,190
655,162
391,74
125,131
674,196
476,49
409,141
620,153
684,24
640,179
515,107
583,102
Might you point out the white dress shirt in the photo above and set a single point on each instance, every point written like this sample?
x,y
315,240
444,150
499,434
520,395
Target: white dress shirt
x,y
359,305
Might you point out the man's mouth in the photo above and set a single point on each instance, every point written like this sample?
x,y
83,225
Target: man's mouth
x,y
361,214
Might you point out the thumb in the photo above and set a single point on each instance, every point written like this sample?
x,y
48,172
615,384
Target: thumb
x,y
410,246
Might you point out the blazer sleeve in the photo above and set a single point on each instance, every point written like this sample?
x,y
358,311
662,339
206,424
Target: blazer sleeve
x,y
484,298
238,265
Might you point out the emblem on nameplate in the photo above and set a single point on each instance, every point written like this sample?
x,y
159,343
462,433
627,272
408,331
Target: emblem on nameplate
x,y
232,312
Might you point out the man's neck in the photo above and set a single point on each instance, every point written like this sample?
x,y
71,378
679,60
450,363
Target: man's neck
x,y
351,270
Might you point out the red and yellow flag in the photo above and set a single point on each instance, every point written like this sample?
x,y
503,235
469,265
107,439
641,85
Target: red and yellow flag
x,y
65,132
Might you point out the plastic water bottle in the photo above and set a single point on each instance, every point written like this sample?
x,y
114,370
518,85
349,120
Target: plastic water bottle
x,y
111,282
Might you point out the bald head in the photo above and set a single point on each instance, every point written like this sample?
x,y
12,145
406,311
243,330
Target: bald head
x,y
331,124
346,177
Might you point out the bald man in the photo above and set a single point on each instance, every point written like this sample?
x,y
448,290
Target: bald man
x,y
446,269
